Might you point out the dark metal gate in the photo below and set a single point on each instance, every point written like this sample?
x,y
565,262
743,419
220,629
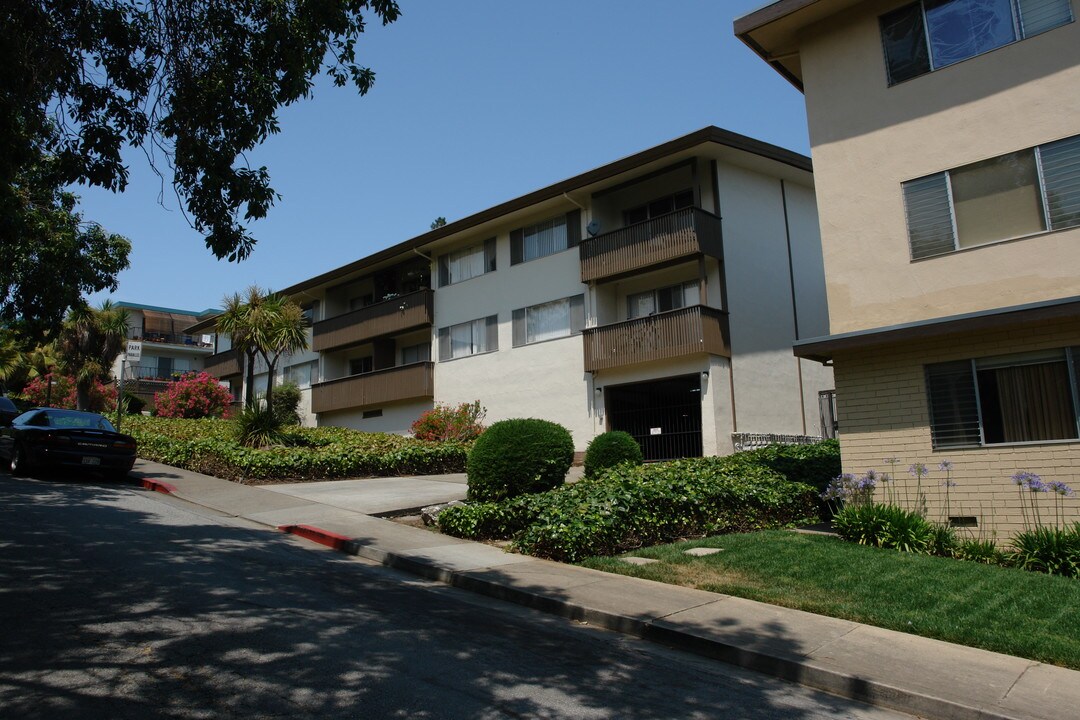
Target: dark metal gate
x,y
664,416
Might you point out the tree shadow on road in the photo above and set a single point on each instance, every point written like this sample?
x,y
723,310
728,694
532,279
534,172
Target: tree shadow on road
x,y
116,605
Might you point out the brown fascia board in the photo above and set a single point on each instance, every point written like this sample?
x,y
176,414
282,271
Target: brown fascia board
x,y
747,24
711,134
822,349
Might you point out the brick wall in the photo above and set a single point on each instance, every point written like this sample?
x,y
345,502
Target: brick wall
x,y
882,407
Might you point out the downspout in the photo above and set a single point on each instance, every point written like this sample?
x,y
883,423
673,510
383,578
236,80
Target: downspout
x,y
794,304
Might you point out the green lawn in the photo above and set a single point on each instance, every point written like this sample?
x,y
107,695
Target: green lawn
x,y
1005,610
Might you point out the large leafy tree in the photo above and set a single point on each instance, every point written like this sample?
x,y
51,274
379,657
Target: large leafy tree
x,y
195,84
88,343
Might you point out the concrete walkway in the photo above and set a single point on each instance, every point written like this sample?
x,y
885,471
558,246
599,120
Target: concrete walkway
x,y
891,669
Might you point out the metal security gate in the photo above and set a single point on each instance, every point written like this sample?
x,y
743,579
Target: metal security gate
x,y
664,416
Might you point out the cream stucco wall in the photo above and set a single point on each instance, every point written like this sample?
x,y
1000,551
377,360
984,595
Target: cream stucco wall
x,y
762,218
396,417
868,138
883,412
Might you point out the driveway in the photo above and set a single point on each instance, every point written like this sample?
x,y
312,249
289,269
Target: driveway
x,y
379,496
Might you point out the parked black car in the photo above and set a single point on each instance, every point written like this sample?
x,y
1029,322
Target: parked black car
x,y
8,411
54,438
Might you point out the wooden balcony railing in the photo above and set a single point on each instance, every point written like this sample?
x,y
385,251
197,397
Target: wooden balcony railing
x,y
665,239
405,312
222,365
404,382
673,334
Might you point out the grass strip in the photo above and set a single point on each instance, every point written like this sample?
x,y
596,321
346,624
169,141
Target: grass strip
x,y
1005,610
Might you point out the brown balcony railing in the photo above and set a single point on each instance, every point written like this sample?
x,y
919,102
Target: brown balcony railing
x,y
673,334
405,312
404,382
222,365
668,238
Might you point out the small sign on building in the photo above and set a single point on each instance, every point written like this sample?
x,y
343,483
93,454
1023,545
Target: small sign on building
x,y
655,431
134,351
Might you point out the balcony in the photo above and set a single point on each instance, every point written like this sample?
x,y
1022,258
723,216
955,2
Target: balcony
x,y
673,334
661,241
389,317
405,382
222,365
187,341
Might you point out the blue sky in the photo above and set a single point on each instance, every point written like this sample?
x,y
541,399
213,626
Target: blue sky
x,y
475,102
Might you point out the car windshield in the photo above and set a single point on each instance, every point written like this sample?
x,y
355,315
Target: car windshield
x,y
70,419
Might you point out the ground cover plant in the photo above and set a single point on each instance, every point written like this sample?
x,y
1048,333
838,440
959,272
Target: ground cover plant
x,y
209,446
632,506
1000,609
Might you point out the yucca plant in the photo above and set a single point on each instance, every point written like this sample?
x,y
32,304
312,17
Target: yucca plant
x,y
258,427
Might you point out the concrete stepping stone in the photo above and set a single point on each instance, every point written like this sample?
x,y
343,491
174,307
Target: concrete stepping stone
x,y
702,551
637,560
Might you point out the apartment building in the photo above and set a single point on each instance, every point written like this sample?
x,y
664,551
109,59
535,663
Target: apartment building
x,y
168,350
946,146
659,294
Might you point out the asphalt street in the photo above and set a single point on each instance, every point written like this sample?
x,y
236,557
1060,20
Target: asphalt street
x,y
120,603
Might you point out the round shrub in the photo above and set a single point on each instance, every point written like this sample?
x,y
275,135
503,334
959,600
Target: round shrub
x,y
514,457
610,449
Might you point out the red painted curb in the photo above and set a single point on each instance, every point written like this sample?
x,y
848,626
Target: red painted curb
x,y
314,534
159,486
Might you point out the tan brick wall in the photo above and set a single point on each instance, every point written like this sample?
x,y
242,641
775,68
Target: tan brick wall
x,y
882,406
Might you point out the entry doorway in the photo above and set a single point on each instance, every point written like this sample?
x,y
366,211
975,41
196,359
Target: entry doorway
x,y
664,416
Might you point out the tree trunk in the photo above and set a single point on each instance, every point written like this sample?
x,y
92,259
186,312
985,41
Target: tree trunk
x,y
82,396
249,380
270,382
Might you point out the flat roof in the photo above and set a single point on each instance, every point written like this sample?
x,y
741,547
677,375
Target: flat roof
x,y
174,311
822,349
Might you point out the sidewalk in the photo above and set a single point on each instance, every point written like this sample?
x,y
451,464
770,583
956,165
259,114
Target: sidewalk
x,y
904,672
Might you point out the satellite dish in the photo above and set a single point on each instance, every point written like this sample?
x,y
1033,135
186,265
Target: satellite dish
x,y
593,227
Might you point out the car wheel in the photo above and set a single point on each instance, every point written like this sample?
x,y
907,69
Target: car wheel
x,y
20,464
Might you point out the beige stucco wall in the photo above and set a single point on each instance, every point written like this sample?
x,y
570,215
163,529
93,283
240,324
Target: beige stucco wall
x,y
396,418
867,138
773,390
883,412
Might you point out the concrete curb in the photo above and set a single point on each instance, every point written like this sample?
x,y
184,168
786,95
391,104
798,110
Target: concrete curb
x,y
804,673
158,486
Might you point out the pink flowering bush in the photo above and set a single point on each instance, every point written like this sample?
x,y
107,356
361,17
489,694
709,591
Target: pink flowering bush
x,y
193,396
444,422
102,395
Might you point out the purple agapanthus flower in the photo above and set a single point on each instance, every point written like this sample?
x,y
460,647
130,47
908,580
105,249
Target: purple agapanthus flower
x,y
1060,488
918,470
1021,477
866,482
1035,484
944,466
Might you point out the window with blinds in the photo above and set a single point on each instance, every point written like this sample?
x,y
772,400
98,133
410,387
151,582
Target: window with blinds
x,y
469,338
549,321
1014,195
1030,397
545,238
467,263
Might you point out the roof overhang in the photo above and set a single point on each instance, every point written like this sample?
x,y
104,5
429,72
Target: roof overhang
x,y
774,31
823,349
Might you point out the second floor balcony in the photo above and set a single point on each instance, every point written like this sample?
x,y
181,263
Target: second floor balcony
x,y
396,315
223,364
666,335
404,382
660,241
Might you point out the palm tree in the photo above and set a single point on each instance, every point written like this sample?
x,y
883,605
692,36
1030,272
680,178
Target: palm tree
x,y
11,359
266,325
88,343
282,331
238,322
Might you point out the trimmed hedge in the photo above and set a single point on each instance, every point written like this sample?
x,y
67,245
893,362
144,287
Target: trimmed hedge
x,y
610,449
816,464
207,446
628,507
518,456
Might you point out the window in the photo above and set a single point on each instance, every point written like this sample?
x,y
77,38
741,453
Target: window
x,y
467,263
1014,195
361,365
1029,397
369,414
361,302
469,338
416,353
933,34
302,374
658,207
545,238
308,313
550,320
673,297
